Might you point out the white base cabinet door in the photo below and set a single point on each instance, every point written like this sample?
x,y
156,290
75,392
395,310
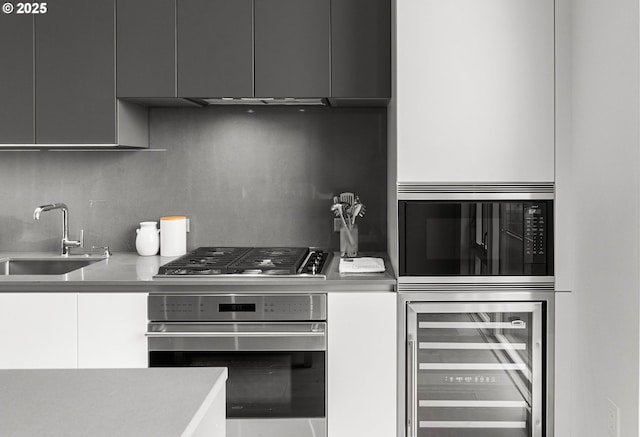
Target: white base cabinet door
x,y
111,330
361,355
38,330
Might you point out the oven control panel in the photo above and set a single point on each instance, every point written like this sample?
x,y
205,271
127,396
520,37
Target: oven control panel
x,y
288,308
299,307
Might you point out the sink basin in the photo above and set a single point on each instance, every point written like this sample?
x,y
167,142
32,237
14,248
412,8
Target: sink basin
x,y
29,266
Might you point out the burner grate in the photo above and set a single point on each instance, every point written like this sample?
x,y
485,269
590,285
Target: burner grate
x,y
215,260
284,260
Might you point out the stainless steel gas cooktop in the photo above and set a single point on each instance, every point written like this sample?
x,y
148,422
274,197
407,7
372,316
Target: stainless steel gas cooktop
x,y
281,262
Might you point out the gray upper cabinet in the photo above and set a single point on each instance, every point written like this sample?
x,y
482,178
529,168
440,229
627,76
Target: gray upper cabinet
x,y
292,48
74,74
57,80
16,79
146,43
215,48
361,48
253,48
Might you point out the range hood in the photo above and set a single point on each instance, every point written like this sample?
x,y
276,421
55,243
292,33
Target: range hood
x,y
257,101
174,102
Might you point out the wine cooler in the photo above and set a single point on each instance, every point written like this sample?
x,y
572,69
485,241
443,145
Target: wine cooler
x,y
475,369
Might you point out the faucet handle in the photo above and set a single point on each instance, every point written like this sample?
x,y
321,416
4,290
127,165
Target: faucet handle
x,y
107,253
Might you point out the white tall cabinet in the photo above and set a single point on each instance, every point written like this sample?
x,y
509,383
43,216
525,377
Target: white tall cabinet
x,y
361,389
475,90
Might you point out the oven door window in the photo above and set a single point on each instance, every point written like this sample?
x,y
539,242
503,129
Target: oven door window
x,y
262,384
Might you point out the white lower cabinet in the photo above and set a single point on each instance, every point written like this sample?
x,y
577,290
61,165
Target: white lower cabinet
x,y
111,330
361,355
38,330
71,330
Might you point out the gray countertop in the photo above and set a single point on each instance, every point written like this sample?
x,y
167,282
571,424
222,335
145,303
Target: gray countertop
x,y
127,272
159,402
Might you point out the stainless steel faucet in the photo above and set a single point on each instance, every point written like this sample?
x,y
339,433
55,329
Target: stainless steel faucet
x,y
66,243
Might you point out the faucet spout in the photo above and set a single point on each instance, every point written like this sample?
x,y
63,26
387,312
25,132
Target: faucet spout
x,y
39,210
66,243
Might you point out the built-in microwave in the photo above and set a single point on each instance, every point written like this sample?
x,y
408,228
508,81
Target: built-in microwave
x,y
476,235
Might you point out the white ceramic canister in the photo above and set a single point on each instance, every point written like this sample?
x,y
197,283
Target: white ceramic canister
x,y
147,239
173,235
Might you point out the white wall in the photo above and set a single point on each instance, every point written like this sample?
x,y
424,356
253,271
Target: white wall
x,y
603,308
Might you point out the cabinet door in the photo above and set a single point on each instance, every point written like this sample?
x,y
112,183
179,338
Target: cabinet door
x,y
75,79
146,48
38,330
111,330
361,355
475,90
215,48
16,79
292,48
361,48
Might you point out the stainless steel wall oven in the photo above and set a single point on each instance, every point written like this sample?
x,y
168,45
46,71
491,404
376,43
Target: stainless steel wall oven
x,y
273,345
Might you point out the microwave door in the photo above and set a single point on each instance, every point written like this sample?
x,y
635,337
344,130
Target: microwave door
x,y
476,238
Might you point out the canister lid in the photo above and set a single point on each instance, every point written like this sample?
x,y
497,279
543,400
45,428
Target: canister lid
x,y
173,217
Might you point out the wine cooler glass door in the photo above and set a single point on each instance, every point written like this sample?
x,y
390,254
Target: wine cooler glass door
x,y
474,369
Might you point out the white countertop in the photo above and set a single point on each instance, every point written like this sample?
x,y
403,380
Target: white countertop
x,y
159,402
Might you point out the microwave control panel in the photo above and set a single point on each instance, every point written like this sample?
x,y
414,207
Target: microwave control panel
x,y
535,235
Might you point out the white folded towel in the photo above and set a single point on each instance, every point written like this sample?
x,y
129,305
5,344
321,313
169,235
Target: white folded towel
x,y
361,265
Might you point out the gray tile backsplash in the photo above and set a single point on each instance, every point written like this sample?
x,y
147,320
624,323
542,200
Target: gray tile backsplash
x,y
243,178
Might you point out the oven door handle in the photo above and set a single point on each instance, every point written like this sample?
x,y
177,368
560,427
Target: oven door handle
x,y
193,334
233,337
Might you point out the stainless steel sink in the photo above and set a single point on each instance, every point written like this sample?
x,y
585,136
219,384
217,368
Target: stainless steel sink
x,y
40,266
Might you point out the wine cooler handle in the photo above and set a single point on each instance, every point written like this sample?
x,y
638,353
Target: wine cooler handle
x,y
412,379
